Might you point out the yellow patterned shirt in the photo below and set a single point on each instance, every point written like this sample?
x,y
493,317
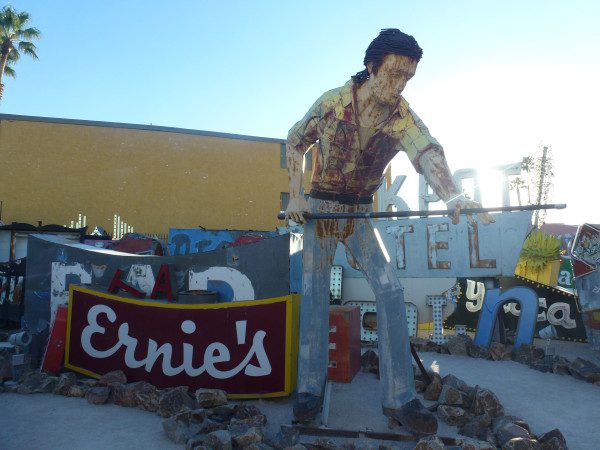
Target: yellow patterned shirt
x,y
341,166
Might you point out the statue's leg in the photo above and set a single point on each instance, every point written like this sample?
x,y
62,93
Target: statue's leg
x,y
317,256
395,364
395,361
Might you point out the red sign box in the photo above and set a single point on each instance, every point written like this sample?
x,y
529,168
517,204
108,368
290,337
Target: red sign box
x,y
248,349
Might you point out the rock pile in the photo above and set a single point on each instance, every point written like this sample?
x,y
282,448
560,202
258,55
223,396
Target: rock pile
x,y
205,419
529,355
480,416
476,411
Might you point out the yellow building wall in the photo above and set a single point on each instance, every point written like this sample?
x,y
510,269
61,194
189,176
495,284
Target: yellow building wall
x,y
52,171
154,180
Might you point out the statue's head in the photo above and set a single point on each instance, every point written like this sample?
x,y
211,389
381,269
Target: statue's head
x,y
390,60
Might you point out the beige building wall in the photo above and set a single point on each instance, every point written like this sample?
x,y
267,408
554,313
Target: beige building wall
x,y
155,178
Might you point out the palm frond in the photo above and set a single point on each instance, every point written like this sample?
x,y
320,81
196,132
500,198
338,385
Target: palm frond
x,y
5,27
16,38
9,71
4,33
8,18
14,56
23,18
28,48
29,33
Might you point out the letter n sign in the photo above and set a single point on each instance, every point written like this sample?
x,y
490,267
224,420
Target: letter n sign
x,y
527,300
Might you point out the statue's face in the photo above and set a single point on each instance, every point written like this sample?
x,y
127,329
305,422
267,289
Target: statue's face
x,y
388,83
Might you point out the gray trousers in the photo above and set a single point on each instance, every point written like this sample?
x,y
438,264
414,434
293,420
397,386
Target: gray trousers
x,y
320,241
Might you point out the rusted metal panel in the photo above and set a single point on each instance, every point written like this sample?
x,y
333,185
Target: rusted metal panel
x,y
185,241
525,297
557,308
586,265
434,247
344,343
12,281
248,272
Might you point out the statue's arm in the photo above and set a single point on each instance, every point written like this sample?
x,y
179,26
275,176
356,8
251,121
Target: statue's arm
x,y
301,138
297,204
434,167
428,158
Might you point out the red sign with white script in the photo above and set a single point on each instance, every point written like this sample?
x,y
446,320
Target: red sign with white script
x,y
248,348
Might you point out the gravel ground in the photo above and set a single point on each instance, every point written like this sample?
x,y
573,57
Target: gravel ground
x,y
544,400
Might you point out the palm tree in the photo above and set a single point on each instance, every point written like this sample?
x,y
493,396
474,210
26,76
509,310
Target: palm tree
x,y
15,39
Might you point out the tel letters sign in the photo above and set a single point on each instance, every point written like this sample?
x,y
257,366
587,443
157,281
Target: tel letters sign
x,y
247,348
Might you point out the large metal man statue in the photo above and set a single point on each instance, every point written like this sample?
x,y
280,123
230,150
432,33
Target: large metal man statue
x,y
356,130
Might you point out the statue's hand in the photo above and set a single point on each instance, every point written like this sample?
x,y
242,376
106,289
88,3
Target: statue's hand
x,y
462,202
295,210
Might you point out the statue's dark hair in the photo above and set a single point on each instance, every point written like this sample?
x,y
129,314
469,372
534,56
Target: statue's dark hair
x,y
390,40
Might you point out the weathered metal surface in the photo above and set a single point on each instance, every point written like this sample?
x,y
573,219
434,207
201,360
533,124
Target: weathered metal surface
x,y
581,269
588,288
363,243
422,213
13,237
469,301
586,261
586,245
55,350
296,245
368,319
558,309
528,301
565,275
138,244
53,264
434,247
335,282
12,281
247,348
185,241
401,435
437,303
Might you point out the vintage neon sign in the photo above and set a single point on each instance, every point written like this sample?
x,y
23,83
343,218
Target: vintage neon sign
x,y
246,348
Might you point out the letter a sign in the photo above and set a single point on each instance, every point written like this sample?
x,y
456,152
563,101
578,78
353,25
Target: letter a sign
x,y
247,348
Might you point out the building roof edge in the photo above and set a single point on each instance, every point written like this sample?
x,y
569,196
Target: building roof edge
x,y
132,126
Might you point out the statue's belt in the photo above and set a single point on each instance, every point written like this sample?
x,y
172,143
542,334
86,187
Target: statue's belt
x,y
344,198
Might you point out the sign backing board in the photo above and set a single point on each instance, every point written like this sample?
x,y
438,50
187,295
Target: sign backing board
x,y
247,272
586,245
557,307
248,348
434,247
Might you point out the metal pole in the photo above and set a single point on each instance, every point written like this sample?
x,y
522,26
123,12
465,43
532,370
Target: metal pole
x,y
426,377
541,186
438,212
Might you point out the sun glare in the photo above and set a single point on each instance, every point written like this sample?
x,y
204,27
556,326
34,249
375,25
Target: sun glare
x,y
491,185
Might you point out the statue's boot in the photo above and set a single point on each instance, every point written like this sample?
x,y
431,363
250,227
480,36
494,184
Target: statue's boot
x,y
414,416
307,406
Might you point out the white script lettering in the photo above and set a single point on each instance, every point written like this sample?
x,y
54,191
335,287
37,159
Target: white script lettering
x,y
215,353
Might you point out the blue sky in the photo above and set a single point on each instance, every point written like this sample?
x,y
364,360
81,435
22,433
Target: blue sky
x,y
496,79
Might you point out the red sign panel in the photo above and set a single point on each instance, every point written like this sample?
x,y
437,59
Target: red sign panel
x,y
248,348
55,350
